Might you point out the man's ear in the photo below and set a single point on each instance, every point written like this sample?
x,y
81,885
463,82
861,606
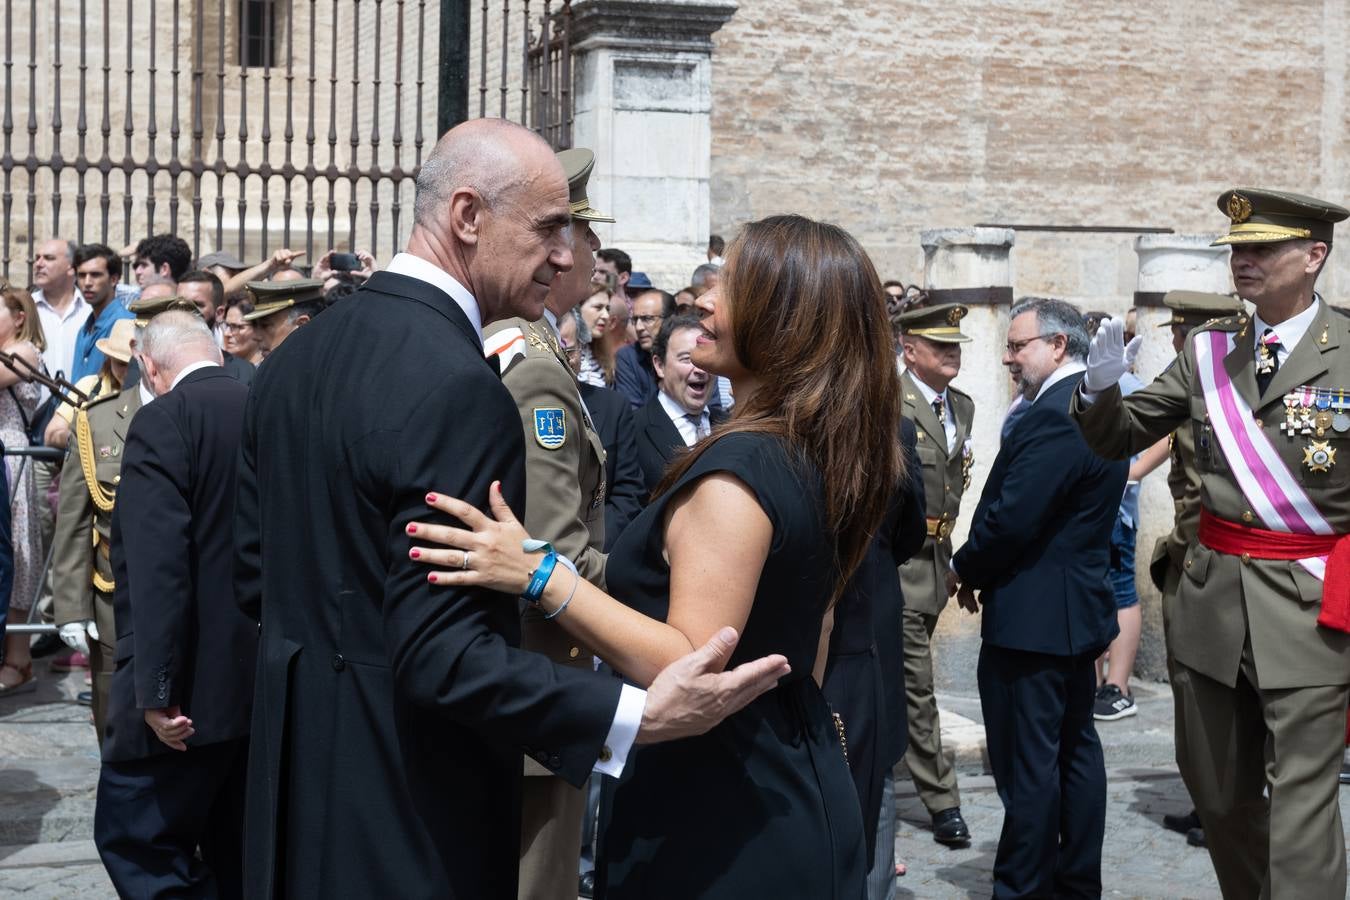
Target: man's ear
x,y
466,215
301,319
1317,255
658,366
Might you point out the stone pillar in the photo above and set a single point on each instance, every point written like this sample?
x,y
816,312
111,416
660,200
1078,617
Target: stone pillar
x,y
1167,262
972,266
643,76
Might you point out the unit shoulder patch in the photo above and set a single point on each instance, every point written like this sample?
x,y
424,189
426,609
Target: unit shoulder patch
x,y
550,426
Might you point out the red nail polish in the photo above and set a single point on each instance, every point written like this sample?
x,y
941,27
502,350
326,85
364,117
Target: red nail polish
x,y
431,498
412,529
415,553
432,578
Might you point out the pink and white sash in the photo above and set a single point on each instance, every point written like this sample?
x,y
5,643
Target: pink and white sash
x,y
1271,489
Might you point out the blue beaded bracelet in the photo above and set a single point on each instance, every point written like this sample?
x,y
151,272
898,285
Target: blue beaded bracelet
x,y
534,591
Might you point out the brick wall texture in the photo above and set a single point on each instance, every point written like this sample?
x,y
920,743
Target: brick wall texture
x,y
896,115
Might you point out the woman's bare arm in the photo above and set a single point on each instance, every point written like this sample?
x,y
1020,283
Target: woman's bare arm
x,y
717,539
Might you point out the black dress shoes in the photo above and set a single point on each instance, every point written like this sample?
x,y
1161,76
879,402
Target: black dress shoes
x,y
1181,824
1196,837
586,885
949,828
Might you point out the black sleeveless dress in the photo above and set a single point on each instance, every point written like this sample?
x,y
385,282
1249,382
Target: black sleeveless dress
x,y
762,805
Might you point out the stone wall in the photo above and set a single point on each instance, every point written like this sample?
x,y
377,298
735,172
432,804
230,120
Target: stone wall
x,y
893,116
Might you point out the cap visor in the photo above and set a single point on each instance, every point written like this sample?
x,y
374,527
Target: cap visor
x,y
591,215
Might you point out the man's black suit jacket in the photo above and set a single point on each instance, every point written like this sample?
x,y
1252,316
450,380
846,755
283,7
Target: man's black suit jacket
x,y
624,496
1040,539
391,713
241,370
181,637
658,440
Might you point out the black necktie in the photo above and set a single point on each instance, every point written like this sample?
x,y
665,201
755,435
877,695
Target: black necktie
x,y
1267,359
939,411
700,430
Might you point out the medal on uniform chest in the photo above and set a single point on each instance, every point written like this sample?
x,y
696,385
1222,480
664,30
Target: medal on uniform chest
x,y
1290,423
1323,417
1340,419
1265,360
1305,412
1319,456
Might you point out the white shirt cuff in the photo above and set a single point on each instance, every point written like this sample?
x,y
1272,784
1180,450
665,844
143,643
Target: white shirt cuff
x,y
1089,397
622,734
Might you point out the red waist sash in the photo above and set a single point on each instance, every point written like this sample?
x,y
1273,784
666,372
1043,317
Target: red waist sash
x,y
1258,543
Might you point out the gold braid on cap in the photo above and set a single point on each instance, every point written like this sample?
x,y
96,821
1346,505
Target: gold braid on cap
x,y
1264,228
85,442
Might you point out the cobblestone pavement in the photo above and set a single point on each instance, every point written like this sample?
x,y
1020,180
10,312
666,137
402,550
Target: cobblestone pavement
x,y
49,767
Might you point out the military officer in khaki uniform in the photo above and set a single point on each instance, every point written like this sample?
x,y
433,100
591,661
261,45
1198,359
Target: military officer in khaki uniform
x,y
280,307
565,503
931,342
1262,655
82,582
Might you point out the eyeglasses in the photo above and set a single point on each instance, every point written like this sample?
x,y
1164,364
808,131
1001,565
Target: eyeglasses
x,y
647,320
1016,347
235,328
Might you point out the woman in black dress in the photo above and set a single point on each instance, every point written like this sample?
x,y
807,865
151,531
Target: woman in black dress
x,y
757,527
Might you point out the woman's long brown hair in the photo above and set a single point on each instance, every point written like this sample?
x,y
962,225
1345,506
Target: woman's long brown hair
x,y
808,316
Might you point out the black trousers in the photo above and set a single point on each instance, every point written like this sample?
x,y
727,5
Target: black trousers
x,y
153,816
1049,771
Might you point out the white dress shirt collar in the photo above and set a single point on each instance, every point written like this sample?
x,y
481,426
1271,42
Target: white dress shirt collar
x,y
1291,330
423,270
190,368
679,417
1073,367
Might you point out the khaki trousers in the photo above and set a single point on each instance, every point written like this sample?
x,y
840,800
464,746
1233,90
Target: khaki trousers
x,y
1234,742
550,838
933,773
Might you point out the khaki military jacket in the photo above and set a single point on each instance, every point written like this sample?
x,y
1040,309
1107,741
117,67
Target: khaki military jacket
x,y
564,472
1183,482
1224,600
82,578
946,475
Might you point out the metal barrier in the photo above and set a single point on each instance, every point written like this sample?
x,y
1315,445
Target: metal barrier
x,y
40,454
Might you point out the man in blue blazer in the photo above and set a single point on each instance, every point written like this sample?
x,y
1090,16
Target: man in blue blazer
x,y
1038,551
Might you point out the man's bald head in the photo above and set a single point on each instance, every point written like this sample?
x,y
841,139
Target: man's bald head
x,y
492,210
493,157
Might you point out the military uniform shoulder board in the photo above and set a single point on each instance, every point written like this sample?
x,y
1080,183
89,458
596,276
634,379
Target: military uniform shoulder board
x,y
550,426
101,398
508,345
1224,323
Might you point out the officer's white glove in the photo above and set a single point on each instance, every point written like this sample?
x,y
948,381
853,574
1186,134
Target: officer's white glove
x,y
92,629
73,635
1108,357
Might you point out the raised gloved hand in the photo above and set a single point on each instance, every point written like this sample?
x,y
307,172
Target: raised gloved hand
x,y
75,635
1109,357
